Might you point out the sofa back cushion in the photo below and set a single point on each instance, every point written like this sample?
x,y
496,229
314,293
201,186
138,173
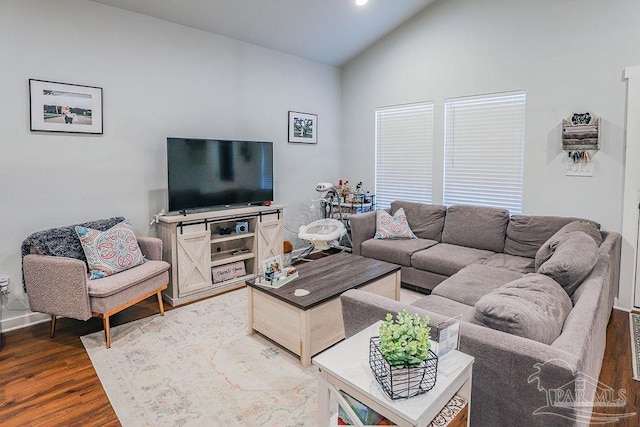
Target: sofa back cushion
x,y
479,227
572,261
526,234
426,221
533,307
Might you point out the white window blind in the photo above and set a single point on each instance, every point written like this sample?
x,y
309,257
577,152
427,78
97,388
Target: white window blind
x,y
484,150
404,146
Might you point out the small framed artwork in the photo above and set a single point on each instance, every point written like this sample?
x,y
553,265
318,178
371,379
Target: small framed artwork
x,y
303,127
272,267
63,107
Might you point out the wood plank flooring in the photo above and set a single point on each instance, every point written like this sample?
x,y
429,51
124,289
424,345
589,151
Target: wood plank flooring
x,y
617,369
51,382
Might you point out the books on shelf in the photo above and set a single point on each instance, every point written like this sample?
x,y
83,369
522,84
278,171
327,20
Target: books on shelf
x,y
366,415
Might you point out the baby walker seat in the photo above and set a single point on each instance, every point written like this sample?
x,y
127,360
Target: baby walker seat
x,y
322,232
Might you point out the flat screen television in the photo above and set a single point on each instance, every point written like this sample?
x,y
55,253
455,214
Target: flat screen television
x,y
210,173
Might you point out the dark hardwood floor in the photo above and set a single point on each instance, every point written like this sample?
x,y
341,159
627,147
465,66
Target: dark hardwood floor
x,y
51,382
617,370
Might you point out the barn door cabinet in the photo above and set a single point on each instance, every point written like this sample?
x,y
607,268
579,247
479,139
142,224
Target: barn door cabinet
x,y
232,239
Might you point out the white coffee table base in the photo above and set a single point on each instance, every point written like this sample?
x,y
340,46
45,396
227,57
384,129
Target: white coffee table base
x,y
307,332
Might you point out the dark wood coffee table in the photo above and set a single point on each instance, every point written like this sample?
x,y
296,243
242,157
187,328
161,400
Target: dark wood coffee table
x,y
309,324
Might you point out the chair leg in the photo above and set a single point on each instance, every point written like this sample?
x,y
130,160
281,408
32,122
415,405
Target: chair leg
x,y
107,330
52,326
160,304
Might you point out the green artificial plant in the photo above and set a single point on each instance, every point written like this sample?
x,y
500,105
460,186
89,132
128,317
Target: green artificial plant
x,y
405,340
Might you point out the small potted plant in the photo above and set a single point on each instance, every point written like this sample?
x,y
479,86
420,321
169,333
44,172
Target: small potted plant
x,y
401,359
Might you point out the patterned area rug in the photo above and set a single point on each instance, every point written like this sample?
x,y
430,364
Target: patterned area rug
x,y
197,366
634,326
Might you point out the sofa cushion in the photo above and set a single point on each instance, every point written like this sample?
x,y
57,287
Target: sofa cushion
x,y
520,264
546,250
479,227
533,307
111,251
115,283
573,259
447,259
426,221
445,307
526,234
394,251
473,282
392,227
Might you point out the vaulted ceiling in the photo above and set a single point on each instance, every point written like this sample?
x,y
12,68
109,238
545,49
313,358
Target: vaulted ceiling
x,y
325,31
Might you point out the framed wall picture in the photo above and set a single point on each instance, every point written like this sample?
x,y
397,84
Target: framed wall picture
x,y
303,127
63,107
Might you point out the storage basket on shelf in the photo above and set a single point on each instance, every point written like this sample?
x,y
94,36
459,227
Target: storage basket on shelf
x,y
402,381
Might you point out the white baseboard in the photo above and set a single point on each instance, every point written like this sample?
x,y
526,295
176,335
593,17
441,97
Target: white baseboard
x,y
617,306
22,319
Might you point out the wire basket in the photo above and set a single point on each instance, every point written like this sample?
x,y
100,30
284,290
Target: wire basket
x,y
402,382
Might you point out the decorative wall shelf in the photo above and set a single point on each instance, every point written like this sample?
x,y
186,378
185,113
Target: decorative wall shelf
x,y
581,132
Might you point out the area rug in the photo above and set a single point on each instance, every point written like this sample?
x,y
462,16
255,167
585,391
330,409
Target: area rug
x,y
197,366
634,326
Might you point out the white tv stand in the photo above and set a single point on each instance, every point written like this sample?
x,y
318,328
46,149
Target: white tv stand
x,y
193,245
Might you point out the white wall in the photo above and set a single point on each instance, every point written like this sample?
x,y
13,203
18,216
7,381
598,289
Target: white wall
x,y
159,79
567,55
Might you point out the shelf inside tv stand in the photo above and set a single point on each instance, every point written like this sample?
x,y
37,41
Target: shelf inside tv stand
x,y
231,237
193,245
229,257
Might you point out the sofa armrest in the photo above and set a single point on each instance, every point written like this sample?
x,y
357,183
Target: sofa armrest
x,y
361,309
363,227
612,245
151,247
505,365
57,285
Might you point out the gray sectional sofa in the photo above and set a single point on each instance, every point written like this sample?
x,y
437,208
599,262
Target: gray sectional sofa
x,y
535,294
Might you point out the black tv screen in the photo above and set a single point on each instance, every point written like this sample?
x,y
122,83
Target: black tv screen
x,y
206,173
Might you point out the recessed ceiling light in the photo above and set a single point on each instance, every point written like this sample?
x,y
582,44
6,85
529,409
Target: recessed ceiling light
x,y
361,2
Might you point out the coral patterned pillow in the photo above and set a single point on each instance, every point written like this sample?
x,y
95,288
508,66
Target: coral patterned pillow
x,y
393,227
112,251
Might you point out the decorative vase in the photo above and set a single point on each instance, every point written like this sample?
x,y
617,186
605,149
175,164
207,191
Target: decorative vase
x,y
402,381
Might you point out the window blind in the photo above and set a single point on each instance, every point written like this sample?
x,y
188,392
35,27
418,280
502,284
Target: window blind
x,y
404,147
484,150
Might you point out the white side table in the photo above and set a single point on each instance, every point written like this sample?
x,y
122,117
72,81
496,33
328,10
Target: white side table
x,y
345,367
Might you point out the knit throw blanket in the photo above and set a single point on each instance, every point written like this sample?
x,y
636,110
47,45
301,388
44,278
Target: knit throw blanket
x,y
63,241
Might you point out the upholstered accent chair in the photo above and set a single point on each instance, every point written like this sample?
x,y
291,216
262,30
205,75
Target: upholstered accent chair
x,y
57,279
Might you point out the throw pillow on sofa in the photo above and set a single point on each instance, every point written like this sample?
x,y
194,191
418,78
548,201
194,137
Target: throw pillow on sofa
x,y
111,251
533,307
393,227
548,248
572,260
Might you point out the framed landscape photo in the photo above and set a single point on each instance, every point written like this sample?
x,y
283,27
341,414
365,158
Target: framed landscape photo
x,y
63,107
303,127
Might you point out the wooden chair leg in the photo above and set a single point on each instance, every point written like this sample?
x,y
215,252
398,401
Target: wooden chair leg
x,y
107,330
52,326
160,303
